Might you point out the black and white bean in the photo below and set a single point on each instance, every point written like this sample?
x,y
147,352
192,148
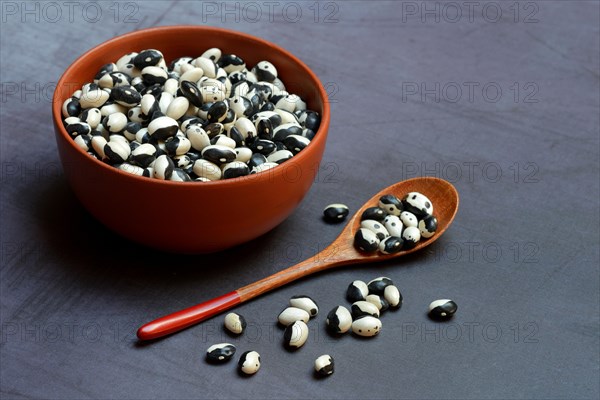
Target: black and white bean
x,y
78,128
296,143
283,131
292,314
263,167
207,170
411,237
375,213
220,353
335,212
363,307
127,96
408,219
280,156
442,309
263,146
378,301
376,227
235,323
115,122
135,170
93,98
249,362
305,303
163,167
265,71
71,107
366,240
177,145
339,320
391,204
378,285
235,169
116,151
147,58
324,365
391,245
357,291
295,335
418,204
428,226
198,137
178,107
393,225
218,154
84,142
152,75
91,116
163,127
144,155
366,326
393,296
243,154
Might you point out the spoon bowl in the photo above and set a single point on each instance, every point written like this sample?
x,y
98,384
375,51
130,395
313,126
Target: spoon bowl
x,y
443,196
340,252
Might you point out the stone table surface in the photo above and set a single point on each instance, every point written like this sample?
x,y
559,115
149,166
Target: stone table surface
x,y
500,98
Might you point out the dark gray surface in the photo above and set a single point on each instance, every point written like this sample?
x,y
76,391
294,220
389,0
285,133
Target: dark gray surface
x,y
521,259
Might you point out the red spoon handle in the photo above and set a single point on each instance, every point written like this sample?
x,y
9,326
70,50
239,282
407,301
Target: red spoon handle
x,y
182,319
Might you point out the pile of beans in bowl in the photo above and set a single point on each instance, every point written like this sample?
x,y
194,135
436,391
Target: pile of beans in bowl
x,y
198,119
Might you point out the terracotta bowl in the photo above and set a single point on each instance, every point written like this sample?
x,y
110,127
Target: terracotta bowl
x,y
191,217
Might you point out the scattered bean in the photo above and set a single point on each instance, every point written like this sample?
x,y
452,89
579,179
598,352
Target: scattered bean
x,y
393,296
249,362
366,326
339,320
235,323
305,303
377,286
357,291
442,309
378,301
362,308
324,365
292,314
295,335
220,353
335,212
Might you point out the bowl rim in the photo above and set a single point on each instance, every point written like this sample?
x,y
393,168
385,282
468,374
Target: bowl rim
x,y
320,135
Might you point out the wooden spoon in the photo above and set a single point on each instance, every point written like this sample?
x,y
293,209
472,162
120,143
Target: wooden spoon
x,y
341,252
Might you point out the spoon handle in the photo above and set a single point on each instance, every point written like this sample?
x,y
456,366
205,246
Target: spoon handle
x,y
190,316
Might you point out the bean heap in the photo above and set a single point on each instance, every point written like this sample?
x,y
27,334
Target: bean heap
x,y
394,225
368,300
200,119
295,318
